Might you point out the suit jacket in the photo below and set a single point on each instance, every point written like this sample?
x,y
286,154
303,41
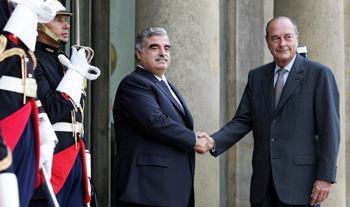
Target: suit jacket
x,y
299,140
155,159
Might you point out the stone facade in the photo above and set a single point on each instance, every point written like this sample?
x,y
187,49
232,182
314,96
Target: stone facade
x,y
214,44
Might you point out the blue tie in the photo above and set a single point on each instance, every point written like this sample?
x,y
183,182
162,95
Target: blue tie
x,y
166,86
164,83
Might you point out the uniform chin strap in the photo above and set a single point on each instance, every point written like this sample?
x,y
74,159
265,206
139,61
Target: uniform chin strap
x,y
49,33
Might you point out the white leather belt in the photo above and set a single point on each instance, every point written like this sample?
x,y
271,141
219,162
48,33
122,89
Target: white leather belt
x,y
16,85
68,127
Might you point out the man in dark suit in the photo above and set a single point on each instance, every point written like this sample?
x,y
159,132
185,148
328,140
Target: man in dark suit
x,y
155,160
296,137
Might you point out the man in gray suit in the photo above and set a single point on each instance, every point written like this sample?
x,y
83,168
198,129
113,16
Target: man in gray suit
x,y
296,136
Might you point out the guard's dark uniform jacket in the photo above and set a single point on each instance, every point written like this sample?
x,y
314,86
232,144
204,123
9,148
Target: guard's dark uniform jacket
x,y
60,110
18,112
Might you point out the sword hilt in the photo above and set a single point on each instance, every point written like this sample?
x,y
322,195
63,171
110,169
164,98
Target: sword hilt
x,y
89,52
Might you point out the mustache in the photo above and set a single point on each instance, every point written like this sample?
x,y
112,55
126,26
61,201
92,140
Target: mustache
x,y
161,58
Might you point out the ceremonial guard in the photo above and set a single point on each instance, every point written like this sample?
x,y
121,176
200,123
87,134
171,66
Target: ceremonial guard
x,y
19,113
61,91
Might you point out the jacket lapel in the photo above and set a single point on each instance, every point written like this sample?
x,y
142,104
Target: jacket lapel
x,y
169,95
185,110
267,85
294,79
151,77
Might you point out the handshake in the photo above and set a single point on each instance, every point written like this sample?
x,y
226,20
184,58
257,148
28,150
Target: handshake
x,y
204,143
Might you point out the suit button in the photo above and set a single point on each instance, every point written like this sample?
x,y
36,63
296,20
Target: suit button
x,y
272,140
274,121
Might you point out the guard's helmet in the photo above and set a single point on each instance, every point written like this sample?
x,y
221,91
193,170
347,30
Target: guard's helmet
x,y
60,9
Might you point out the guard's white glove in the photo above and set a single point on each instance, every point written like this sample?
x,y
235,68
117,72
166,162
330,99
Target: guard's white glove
x,y
8,190
24,19
78,62
46,155
48,141
78,58
72,82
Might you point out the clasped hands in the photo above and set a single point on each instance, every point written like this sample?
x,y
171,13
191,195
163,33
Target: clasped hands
x,y
204,143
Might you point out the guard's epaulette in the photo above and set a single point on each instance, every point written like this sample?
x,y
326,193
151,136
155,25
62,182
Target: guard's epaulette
x,y
10,52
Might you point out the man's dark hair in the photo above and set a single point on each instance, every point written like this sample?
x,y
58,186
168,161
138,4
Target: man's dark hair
x,y
140,38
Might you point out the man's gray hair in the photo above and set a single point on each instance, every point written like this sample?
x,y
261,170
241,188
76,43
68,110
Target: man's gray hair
x,y
281,17
140,38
